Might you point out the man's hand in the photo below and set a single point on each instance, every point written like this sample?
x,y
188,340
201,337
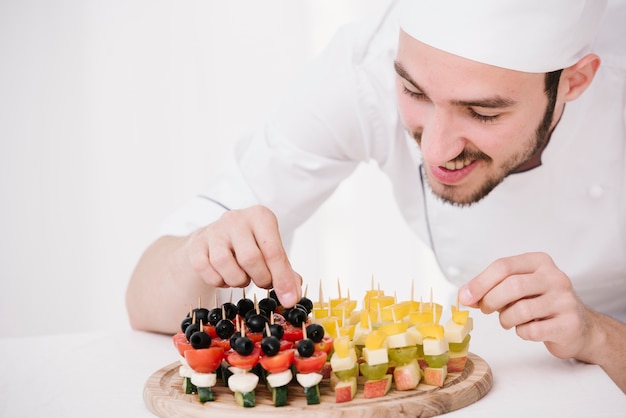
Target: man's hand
x,y
531,294
244,246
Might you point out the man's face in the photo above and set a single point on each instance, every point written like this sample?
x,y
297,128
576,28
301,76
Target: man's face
x,y
475,123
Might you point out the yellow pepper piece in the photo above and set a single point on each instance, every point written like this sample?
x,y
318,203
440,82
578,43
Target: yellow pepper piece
x,y
380,300
431,331
375,340
460,317
342,346
394,328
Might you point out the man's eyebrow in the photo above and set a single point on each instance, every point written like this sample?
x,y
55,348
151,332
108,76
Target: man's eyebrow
x,y
495,102
404,74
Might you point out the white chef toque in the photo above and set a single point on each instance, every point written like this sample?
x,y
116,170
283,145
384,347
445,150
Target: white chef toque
x,y
525,35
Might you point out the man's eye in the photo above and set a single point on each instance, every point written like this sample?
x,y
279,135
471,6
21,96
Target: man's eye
x,y
482,118
414,94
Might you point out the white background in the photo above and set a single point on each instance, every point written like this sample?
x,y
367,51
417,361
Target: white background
x,y
114,112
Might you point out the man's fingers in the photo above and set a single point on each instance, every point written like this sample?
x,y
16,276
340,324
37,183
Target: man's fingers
x,y
473,291
286,282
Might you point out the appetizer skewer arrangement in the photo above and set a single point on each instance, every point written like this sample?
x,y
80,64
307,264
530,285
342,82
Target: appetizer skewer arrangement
x,y
387,344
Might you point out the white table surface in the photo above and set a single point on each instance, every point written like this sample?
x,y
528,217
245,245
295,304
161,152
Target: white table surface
x,y
103,374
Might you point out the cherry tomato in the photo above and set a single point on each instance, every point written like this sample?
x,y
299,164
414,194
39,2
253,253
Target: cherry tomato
x,y
244,362
326,345
313,364
210,329
205,360
181,343
285,345
256,337
278,363
223,343
292,333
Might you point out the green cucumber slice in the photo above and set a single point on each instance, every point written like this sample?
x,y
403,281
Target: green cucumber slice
x,y
188,387
279,395
312,395
205,394
247,400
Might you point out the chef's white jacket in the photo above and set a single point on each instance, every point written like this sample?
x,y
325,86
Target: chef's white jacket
x,y
344,112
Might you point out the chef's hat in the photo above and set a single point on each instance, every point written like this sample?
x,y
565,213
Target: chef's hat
x,y
524,35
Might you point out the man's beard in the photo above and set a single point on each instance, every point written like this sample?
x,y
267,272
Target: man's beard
x,y
535,145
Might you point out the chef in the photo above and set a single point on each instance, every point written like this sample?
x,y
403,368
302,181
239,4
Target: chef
x,y
501,126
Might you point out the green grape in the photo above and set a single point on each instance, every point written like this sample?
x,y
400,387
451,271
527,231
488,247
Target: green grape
x,y
403,355
437,361
375,372
346,374
460,346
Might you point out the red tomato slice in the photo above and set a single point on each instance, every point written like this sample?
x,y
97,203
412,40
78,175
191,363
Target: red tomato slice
x,y
222,343
292,333
181,343
278,363
285,345
244,362
256,337
326,345
210,329
205,360
313,364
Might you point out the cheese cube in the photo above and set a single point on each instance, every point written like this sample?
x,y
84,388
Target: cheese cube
x,y
455,333
434,347
374,357
399,340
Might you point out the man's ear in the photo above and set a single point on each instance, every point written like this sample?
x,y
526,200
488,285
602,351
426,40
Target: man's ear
x,y
576,79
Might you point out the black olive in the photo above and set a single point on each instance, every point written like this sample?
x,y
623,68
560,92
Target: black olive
x,y
297,317
307,303
286,312
230,310
215,315
202,314
306,347
256,323
244,346
186,322
200,339
191,329
270,345
233,339
276,330
244,306
268,305
273,296
225,328
315,332
253,312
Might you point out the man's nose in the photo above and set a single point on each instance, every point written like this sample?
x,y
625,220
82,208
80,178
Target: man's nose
x,y
441,137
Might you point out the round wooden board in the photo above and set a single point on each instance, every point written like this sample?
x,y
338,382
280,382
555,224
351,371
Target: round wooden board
x,y
164,397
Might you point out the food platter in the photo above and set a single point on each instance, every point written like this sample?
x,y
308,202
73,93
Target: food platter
x,y
164,397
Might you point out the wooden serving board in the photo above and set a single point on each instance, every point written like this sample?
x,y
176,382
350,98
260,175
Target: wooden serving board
x,y
164,397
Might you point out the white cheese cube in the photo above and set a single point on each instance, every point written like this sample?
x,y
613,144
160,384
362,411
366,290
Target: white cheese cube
x,y
415,336
343,363
399,340
456,333
377,356
433,347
